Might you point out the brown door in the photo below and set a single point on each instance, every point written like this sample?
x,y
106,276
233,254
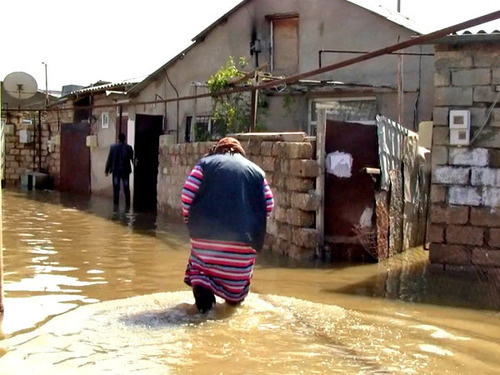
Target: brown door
x,y
75,158
147,140
349,192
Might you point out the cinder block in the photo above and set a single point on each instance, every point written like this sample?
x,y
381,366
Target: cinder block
x,y
471,77
491,197
304,168
485,177
299,218
266,148
305,237
449,254
486,257
442,78
484,94
485,217
464,196
438,193
488,137
299,184
453,59
453,96
439,155
440,136
436,234
464,235
494,240
449,214
441,116
469,156
305,201
451,175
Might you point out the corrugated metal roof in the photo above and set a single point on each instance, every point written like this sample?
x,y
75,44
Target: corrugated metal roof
x,y
468,36
102,87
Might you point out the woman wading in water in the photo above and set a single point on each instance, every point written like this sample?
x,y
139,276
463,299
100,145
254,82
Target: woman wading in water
x,y
226,201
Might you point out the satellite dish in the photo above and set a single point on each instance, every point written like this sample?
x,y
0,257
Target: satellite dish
x,y
20,85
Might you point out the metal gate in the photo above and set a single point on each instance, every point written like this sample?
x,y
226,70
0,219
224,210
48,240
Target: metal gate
x,y
349,191
75,158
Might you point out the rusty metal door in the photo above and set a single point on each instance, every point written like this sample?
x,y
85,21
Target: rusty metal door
x,y
75,158
349,192
147,140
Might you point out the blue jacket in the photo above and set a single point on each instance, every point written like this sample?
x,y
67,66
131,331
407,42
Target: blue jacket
x,y
230,204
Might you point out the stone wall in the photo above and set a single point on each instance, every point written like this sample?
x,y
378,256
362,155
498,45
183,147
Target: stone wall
x,y
290,171
465,193
20,157
52,120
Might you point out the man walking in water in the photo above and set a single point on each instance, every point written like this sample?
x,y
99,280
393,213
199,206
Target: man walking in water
x,y
119,163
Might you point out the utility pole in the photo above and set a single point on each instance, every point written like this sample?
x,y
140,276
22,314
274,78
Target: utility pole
x,y
46,85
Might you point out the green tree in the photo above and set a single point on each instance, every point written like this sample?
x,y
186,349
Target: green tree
x,y
230,112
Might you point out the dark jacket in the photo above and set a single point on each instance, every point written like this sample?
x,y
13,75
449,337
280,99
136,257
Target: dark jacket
x,y
230,204
119,159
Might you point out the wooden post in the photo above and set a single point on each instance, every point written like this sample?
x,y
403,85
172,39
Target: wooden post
x,y
320,180
254,103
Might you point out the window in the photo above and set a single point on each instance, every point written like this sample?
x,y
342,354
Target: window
x,y
359,110
105,120
205,129
284,43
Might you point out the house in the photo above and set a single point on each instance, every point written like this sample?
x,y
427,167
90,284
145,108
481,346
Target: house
x,y
289,37
465,191
77,132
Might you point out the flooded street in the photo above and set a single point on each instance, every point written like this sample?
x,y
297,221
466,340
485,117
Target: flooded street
x,y
92,291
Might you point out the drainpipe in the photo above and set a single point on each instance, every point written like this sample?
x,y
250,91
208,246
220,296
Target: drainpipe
x,y
177,105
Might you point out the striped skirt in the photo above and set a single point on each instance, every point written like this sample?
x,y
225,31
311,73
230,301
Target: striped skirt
x,y
223,267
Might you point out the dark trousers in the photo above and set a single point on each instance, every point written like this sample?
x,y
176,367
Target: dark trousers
x,y
124,179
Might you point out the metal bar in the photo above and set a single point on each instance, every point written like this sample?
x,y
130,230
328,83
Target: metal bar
x,y
294,78
321,51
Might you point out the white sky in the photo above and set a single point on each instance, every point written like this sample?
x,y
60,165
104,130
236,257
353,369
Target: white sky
x,y
115,40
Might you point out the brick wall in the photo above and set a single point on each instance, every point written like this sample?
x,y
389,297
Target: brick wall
x,y
291,172
465,192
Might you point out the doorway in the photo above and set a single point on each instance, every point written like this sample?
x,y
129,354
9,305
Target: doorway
x,y
75,158
147,140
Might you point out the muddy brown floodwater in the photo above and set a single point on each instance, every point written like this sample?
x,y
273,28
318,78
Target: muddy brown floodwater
x,y
89,291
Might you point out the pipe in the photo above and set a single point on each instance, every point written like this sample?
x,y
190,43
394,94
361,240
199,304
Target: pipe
x,y
177,115
294,78
321,51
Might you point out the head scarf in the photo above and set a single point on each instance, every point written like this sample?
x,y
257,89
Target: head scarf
x,y
228,145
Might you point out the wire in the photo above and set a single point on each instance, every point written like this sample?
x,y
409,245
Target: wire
x,y
486,117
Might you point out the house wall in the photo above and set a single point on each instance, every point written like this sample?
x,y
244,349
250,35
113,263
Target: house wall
x,y
465,193
99,183
290,171
323,24
20,157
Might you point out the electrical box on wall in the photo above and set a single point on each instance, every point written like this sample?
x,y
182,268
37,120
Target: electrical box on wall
x,y
91,141
459,127
25,136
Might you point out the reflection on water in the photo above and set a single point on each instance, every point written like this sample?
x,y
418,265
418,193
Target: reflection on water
x,y
63,254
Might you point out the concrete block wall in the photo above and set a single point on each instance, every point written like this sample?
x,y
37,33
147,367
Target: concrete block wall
x,y
290,171
52,121
20,157
465,192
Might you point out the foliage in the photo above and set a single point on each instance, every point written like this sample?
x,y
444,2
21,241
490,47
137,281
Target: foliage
x,y
231,112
